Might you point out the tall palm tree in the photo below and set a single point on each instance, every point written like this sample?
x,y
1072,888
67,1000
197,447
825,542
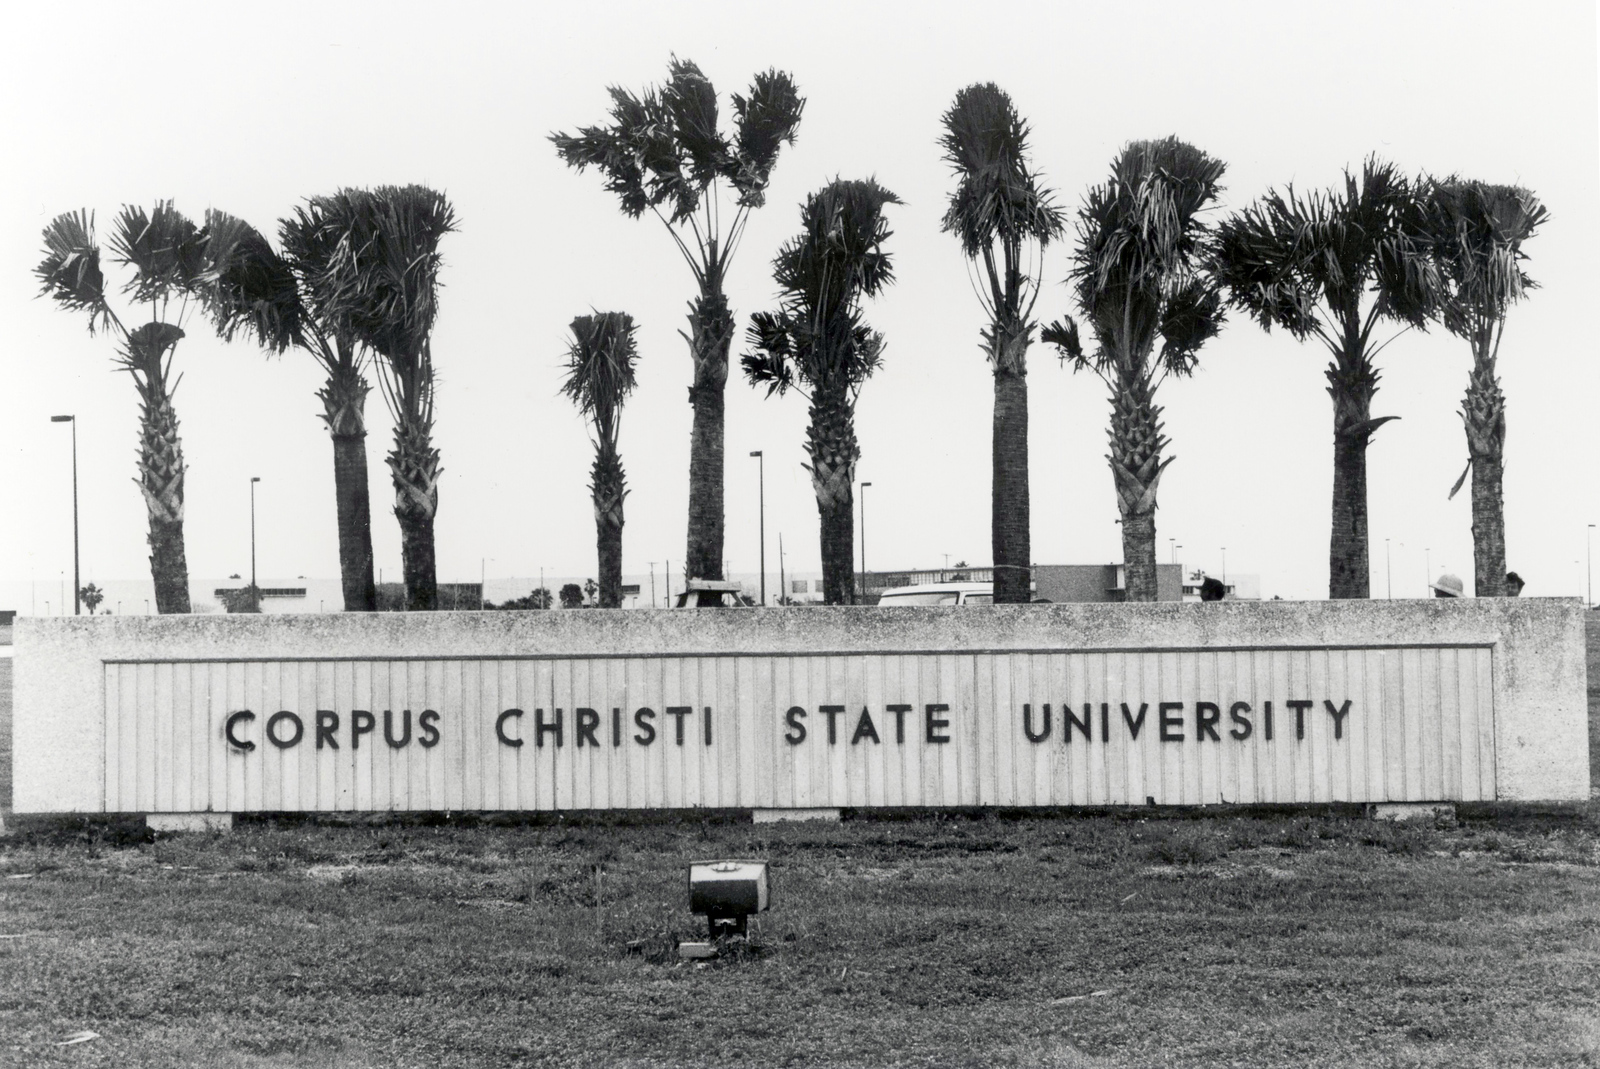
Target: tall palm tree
x,y
380,287
1004,219
1139,277
818,344
1332,266
664,154
250,288
600,363
1472,233
168,254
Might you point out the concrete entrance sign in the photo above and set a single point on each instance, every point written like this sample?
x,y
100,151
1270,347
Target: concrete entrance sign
x,y
804,709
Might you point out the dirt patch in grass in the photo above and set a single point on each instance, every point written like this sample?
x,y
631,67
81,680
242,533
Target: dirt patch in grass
x,y
1112,940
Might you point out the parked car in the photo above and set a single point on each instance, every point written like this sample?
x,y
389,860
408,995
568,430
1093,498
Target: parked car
x,y
939,594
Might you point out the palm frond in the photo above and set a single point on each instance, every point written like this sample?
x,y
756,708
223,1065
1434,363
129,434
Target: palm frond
x,y
997,195
70,271
1192,316
691,102
1063,334
817,336
381,281
600,369
1288,254
1142,241
164,248
248,287
764,122
621,151
772,335
1473,234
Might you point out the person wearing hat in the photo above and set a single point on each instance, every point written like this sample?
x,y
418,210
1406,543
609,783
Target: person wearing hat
x,y
1449,586
1514,584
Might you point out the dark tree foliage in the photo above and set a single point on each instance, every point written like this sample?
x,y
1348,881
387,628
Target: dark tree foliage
x,y
818,344
1140,277
1004,220
664,152
1333,265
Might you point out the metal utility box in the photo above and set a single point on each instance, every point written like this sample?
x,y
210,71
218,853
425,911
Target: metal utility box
x,y
727,892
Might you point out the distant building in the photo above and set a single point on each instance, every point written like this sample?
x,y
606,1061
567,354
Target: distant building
x,y
1073,583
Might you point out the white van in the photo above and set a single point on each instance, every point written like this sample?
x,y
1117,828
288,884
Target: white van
x,y
939,594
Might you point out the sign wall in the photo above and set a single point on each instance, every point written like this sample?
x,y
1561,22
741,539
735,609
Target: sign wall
x,y
822,730
1009,706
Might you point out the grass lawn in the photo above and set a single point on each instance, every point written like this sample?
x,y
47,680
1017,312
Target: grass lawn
x,y
1123,939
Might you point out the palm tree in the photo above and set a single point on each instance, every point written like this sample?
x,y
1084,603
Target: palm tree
x,y
380,287
1472,232
1332,265
663,153
250,288
1139,277
167,253
1003,218
818,344
600,363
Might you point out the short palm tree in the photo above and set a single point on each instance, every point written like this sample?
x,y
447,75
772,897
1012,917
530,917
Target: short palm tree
x,y
664,154
168,255
600,376
1473,233
1004,220
250,288
1139,277
380,288
1332,266
818,344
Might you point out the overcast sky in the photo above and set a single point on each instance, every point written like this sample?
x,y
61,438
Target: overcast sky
x,y
251,109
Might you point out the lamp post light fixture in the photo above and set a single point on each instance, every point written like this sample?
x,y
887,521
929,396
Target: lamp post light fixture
x,y
1588,569
761,475
77,596
864,538
253,480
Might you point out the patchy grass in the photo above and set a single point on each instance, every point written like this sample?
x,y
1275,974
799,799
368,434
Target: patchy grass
x,y
1100,940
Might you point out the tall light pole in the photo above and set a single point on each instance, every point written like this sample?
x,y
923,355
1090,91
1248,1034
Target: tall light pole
x,y
1388,573
653,584
864,538
77,596
1588,569
1427,569
1224,566
761,473
253,480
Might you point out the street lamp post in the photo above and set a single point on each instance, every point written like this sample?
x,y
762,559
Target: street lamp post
x,y
864,538
761,474
1388,573
1588,569
77,587
253,480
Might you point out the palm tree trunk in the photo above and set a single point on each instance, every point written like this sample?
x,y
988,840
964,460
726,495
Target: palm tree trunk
x,y
1009,505
831,444
161,480
1352,383
711,326
344,400
1484,415
608,487
414,464
1136,470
